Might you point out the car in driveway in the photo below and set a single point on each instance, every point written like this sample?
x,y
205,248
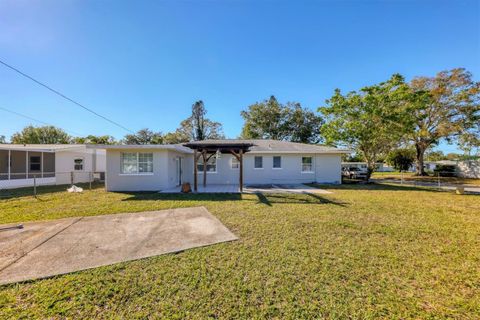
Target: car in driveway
x,y
354,173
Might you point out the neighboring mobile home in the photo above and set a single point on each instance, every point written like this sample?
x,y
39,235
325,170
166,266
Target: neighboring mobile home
x,y
48,164
161,167
379,166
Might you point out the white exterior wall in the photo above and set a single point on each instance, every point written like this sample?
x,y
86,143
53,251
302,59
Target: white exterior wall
x,y
290,172
100,159
224,174
187,168
64,165
326,169
20,183
117,181
469,169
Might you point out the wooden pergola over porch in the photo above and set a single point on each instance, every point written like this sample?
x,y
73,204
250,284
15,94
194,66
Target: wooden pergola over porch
x,y
207,149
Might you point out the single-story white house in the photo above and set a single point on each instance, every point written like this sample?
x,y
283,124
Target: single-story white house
x,y
227,162
49,164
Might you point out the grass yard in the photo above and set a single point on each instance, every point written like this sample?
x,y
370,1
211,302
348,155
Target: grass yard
x,y
410,176
365,251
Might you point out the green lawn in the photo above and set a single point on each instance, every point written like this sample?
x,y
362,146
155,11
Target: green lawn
x,y
365,251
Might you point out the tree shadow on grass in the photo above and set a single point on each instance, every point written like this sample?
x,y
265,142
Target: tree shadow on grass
x,y
377,187
295,198
266,199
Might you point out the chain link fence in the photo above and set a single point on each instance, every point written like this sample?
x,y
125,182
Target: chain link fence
x,y
437,179
29,183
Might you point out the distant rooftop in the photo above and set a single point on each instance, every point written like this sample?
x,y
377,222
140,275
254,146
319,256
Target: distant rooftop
x,y
39,147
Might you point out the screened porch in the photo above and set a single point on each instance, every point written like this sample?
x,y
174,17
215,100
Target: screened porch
x,y
19,168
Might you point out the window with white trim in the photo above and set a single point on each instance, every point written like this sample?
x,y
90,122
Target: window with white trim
x,y
235,164
277,162
211,164
307,164
258,162
78,164
136,162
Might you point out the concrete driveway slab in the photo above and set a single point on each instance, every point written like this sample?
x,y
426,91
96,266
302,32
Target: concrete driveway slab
x,y
70,245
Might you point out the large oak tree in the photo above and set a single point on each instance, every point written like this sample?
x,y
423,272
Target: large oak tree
x,y
271,119
368,121
443,107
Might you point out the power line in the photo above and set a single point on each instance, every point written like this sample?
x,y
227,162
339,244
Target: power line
x,y
64,96
36,120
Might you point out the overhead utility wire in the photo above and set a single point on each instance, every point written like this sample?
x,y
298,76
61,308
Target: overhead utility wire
x,y
36,120
64,96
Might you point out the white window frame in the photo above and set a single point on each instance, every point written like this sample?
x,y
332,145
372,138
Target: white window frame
x,y
255,163
234,161
273,163
83,163
311,164
200,162
137,173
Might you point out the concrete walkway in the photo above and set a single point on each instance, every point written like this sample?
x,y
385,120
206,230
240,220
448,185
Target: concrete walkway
x,y
285,188
234,188
43,249
210,188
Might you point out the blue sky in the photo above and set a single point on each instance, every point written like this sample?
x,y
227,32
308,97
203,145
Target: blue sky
x,y
144,63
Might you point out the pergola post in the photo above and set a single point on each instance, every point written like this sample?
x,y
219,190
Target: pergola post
x,y
195,171
204,170
241,170
239,157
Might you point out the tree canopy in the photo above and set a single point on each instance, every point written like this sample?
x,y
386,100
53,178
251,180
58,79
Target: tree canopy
x,y
443,107
271,119
196,127
367,121
401,159
41,135
144,136
92,139
469,141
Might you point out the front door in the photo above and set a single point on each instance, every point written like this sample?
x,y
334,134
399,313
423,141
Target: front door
x,y
179,171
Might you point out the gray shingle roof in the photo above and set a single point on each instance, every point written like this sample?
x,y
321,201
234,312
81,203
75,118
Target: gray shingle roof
x,y
272,146
259,146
